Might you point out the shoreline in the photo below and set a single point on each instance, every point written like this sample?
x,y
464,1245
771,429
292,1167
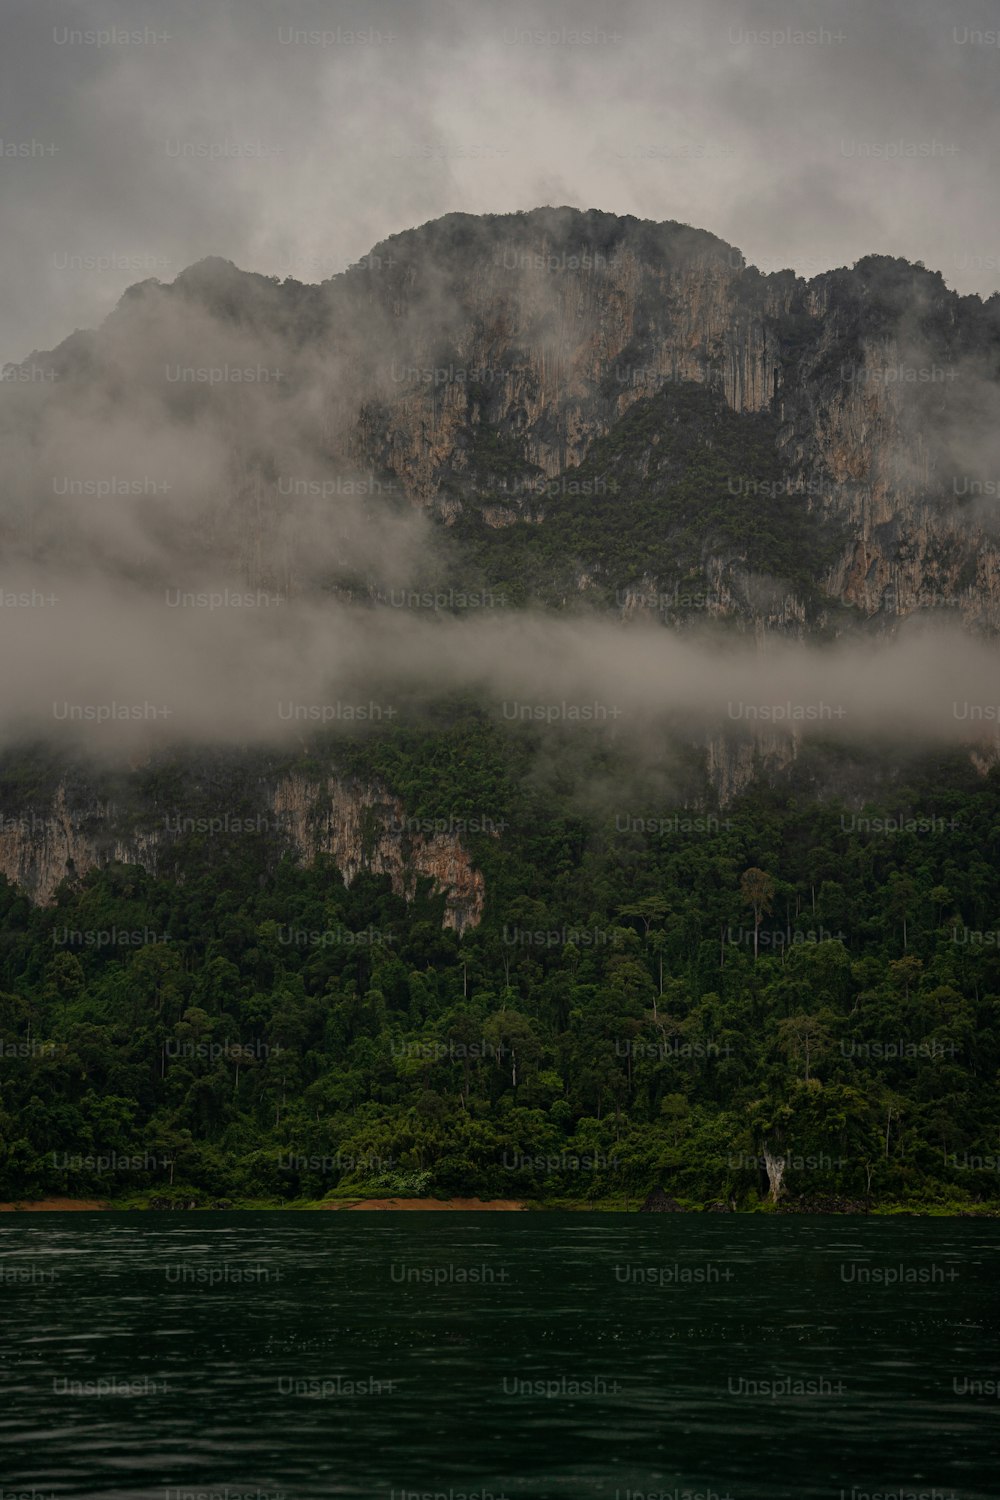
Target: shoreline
x,y
65,1204
429,1205
55,1205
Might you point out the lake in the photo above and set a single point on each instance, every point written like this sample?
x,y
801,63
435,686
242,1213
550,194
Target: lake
x,y
488,1355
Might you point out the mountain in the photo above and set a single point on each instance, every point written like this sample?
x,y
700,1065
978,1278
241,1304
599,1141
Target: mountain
x,y
374,817
598,415
595,409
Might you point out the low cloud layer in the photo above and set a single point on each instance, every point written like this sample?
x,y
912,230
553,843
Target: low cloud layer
x,y
110,670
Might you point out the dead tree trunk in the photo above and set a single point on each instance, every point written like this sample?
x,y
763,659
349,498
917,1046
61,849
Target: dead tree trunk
x,y
775,1172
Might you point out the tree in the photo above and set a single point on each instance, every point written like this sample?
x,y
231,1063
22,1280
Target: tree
x,y
775,1168
757,890
901,895
649,910
804,1036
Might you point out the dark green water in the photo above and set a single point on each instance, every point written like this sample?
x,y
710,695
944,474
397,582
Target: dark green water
x,y
324,1359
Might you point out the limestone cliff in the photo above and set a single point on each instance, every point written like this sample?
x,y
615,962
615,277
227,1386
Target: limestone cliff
x,y
475,362
361,826
523,378
556,323
883,384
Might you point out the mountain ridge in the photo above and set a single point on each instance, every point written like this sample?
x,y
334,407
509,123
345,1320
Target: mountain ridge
x,y
473,361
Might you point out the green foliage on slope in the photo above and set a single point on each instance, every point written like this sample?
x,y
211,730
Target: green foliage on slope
x,y
606,1028
678,482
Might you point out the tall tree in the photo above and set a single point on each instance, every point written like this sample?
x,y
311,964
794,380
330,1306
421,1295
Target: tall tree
x,y
757,890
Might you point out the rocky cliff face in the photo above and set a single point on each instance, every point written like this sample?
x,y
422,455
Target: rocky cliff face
x,y
734,761
361,826
42,844
558,324
883,382
884,385
476,361
883,423
474,368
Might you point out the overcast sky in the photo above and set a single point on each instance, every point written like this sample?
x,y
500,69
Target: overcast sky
x,y
224,127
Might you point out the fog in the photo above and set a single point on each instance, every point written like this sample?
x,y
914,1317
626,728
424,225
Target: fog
x,y
110,668
191,556
292,138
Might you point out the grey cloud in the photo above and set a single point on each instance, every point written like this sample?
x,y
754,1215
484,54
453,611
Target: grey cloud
x,y
111,669
679,118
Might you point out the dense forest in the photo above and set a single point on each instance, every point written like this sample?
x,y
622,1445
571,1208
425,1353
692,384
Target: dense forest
x,y
791,1002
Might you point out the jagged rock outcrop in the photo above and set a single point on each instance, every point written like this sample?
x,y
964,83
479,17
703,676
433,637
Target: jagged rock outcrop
x,y
364,827
359,825
566,320
735,760
658,1202
40,846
